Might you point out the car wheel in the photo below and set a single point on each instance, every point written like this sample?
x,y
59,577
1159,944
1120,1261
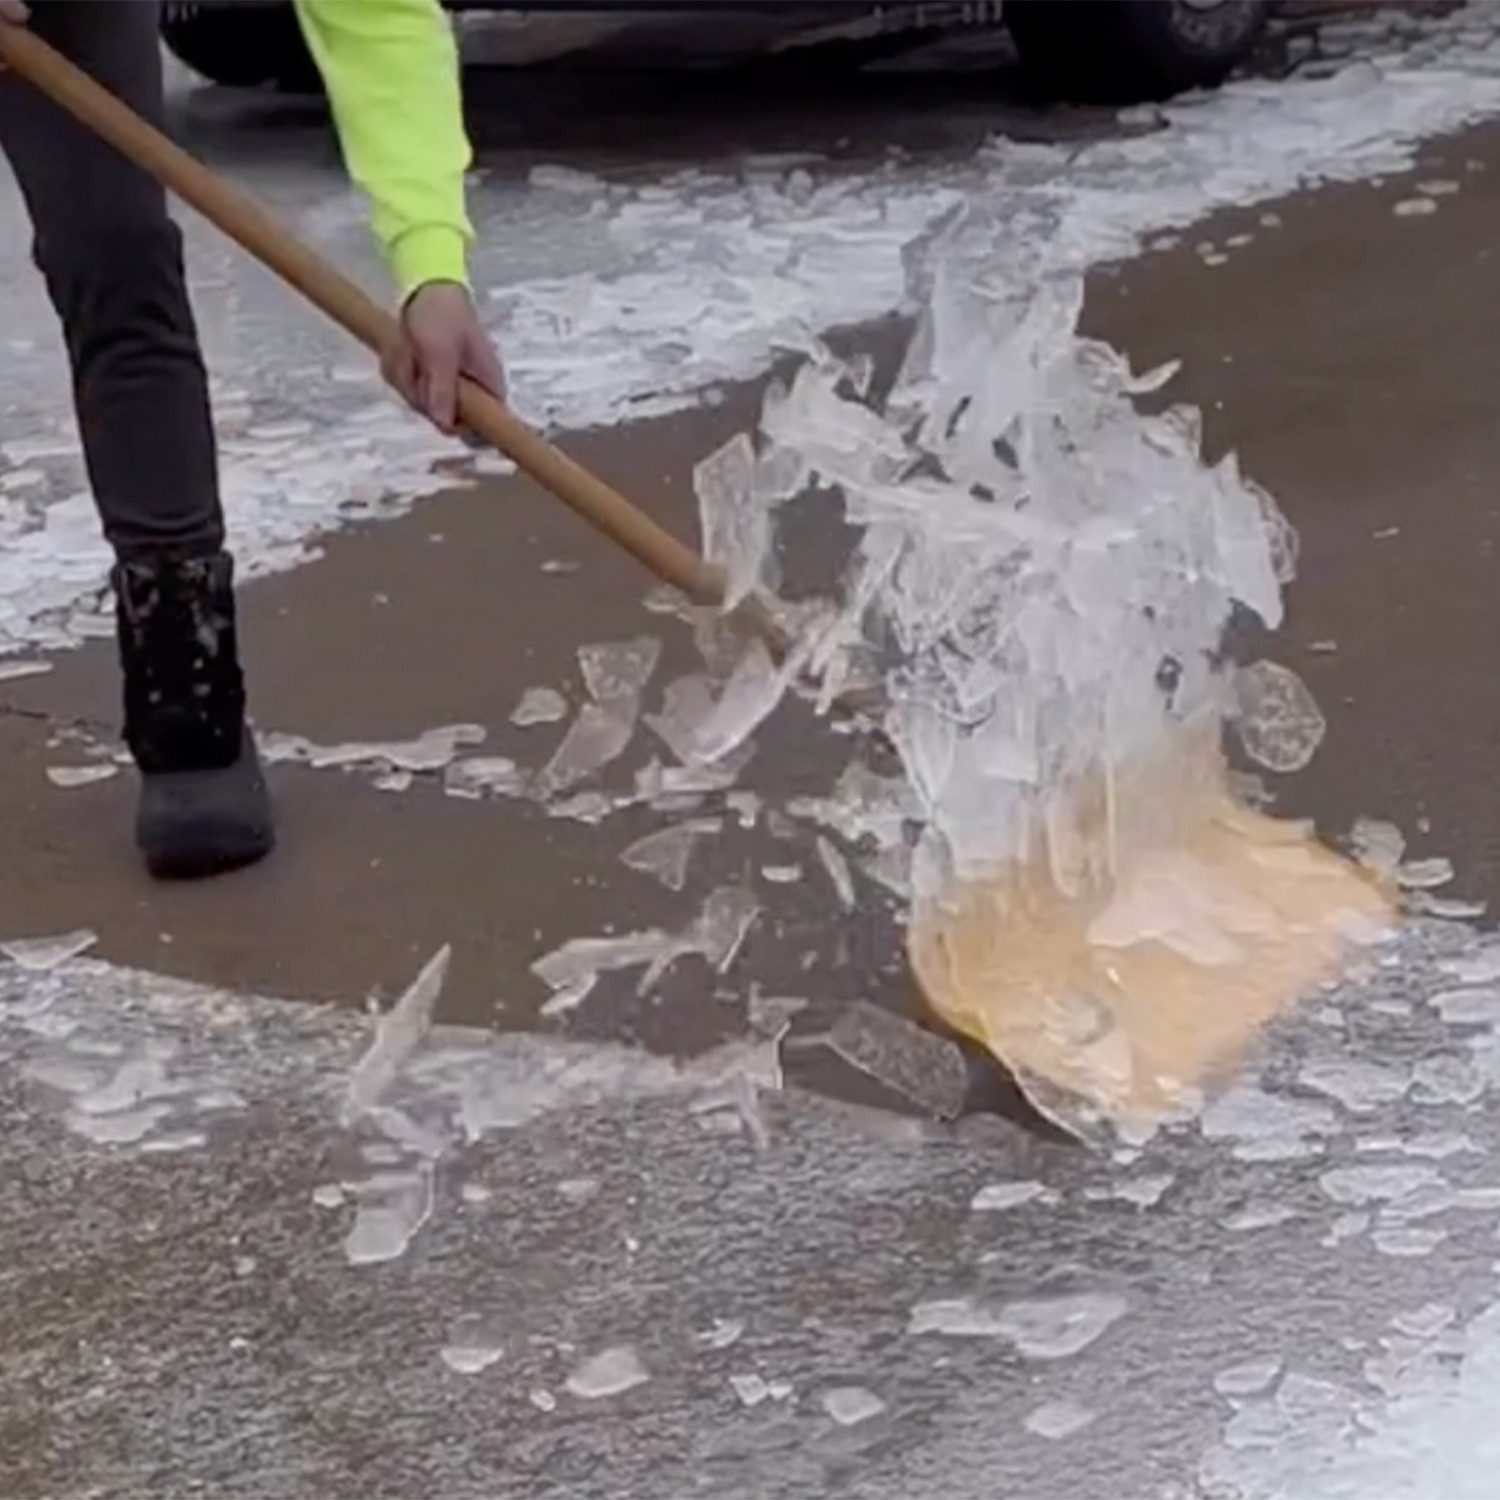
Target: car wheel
x,y
1121,50
238,45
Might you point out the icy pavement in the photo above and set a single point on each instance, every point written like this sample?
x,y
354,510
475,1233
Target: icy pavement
x,y
265,1249
859,1313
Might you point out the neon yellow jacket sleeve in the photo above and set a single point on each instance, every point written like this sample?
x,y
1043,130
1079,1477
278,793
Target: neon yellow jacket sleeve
x,y
391,69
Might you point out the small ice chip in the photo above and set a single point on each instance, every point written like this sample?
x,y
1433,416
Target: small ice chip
x,y
539,705
390,1208
610,1373
397,1034
665,855
13,671
735,526
1481,966
470,1355
1247,1379
1279,724
1405,1241
543,1400
1414,208
1478,1006
1040,1328
68,777
927,1069
1424,874
40,954
1055,1420
751,1389
1000,1196
328,1195
838,872
849,1405
475,1193
724,1333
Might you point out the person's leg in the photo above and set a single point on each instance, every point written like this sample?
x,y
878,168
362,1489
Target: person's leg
x,y
112,260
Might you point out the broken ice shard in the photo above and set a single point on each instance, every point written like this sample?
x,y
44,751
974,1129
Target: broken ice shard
x,y
611,1373
999,1196
397,1034
596,737
735,525
928,1070
615,674
471,1348
665,855
40,954
1040,1328
478,775
838,872
390,1207
1278,722
618,671
69,777
539,705
849,1405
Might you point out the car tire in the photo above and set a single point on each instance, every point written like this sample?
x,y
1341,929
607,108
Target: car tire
x,y
241,45
1118,51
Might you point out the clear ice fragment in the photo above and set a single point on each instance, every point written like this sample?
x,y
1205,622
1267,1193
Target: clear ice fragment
x,y
539,705
1279,724
734,525
849,1405
390,1207
751,1389
484,775
922,1067
617,671
997,1197
610,1373
724,1333
1041,1328
1247,1379
1377,844
596,738
69,777
1424,874
397,1034
471,1349
838,872
40,954
1477,1006
665,855
1361,1186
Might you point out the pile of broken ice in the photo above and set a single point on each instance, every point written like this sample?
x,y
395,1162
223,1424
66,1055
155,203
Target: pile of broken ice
x,y
1043,573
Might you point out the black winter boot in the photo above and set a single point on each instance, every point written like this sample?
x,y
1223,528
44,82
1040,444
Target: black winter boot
x,y
204,805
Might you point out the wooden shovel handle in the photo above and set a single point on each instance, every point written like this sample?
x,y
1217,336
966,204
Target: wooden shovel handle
x,y
251,226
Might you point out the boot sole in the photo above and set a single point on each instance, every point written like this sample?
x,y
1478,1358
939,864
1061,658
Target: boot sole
x,y
192,824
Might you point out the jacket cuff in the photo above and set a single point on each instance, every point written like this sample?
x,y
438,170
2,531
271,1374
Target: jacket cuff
x,y
430,252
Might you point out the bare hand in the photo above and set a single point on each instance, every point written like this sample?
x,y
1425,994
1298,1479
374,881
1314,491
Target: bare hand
x,y
15,12
441,339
